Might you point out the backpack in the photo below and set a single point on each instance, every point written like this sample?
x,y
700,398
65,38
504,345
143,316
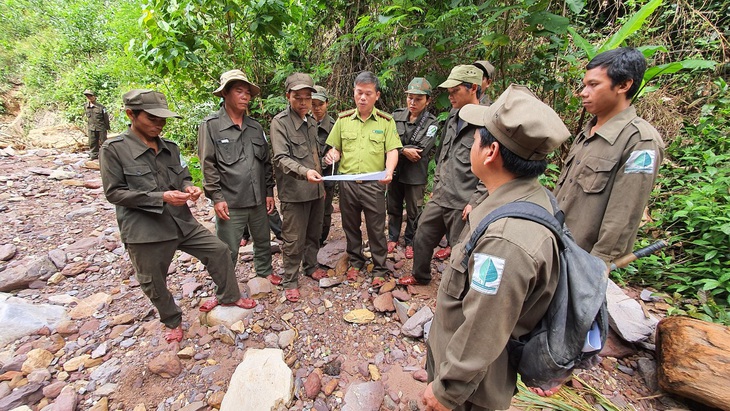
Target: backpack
x,y
575,325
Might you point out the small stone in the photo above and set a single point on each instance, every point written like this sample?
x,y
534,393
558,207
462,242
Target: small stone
x,y
7,251
384,303
286,338
75,364
56,278
101,405
374,372
312,385
186,353
126,318
238,327
52,390
99,351
36,359
216,399
420,375
330,387
166,365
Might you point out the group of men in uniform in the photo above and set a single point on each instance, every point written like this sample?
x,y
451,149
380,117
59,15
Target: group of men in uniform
x,y
489,155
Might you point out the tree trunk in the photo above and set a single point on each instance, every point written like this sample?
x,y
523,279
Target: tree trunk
x,y
694,360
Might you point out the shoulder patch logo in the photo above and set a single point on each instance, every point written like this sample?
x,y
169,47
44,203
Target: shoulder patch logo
x,y
640,162
431,131
487,274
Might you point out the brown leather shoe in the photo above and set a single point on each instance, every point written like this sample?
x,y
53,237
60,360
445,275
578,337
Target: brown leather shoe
x,y
274,279
409,252
443,253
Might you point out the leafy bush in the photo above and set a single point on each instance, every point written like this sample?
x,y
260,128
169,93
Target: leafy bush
x,y
693,206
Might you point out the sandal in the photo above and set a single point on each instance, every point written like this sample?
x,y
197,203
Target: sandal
x,y
319,274
410,280
391,246
352,274
174,334
208,305
409,252
292,295
378,282
245,303
274,279
443,253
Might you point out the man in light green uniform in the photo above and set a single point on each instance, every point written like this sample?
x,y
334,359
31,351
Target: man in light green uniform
x,y
364,140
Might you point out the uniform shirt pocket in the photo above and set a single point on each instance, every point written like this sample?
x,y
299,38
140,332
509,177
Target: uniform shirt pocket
x,y
454,281
377,142
175,172
140,178
299,147
349,142
595,173
260,149
228,151
463,150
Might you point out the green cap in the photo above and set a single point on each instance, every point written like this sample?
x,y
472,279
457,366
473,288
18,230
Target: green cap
x,y
521,122
464,73
486,67
233,75
320,94
419,85
153,102
299,81
88,92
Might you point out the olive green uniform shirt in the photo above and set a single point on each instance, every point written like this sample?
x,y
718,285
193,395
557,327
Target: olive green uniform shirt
x,y
511,278
134,179
363,143
454,184
407,171
98,118
296,151
606,182
235,161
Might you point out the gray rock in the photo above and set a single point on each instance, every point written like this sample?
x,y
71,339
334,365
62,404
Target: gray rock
x,y
7,251
58,258
80,212
84,245
626,316
286,338
103,373
4,389
59,174
331,252
427,329
271,340
331,281
27,394
364,397
646,295
99,351
106,389
259,287
19,318
414,326
195,406
647,370
26,272
401,309
260,381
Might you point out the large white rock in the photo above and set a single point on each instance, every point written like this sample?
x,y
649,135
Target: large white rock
x,y
226,316
261,382
19,318
626,316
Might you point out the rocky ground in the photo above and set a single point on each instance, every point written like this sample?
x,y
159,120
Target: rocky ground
x,y
60,235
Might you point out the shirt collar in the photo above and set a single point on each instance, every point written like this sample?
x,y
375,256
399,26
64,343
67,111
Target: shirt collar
x,y
372,115
138,147
612,128
298,121
518,189
226,122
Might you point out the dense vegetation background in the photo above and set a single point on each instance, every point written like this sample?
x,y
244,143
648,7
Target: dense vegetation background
x,y
54,49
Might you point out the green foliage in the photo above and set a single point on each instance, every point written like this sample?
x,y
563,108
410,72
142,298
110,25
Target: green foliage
x,y
693,206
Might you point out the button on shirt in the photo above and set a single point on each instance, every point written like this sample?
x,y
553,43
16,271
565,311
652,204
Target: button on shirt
x,y
134,179
363,143
235,161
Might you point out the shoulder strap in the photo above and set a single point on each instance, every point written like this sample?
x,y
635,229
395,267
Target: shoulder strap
x,y
517,209
414,137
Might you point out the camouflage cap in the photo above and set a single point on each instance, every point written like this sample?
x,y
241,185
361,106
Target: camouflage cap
x,y
236,75
320,94
153,102
88,92
299,81
419,85
486,67
464,73
521,122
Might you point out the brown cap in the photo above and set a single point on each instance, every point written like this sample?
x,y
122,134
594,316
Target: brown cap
x,y
419,85
299,81
88,92
321,94
234,75
486,67
150,101
524,124
464,73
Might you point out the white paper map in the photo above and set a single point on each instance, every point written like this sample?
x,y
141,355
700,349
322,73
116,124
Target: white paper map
x,y
374,176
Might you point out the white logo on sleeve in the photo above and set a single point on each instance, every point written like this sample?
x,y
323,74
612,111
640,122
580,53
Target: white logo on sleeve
x,y
431,131
487,274
640,162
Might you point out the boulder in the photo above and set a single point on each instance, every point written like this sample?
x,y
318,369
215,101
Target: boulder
x,y
261,381
414,326
692,360
27,271
331,252
19,318
226,316
626,316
